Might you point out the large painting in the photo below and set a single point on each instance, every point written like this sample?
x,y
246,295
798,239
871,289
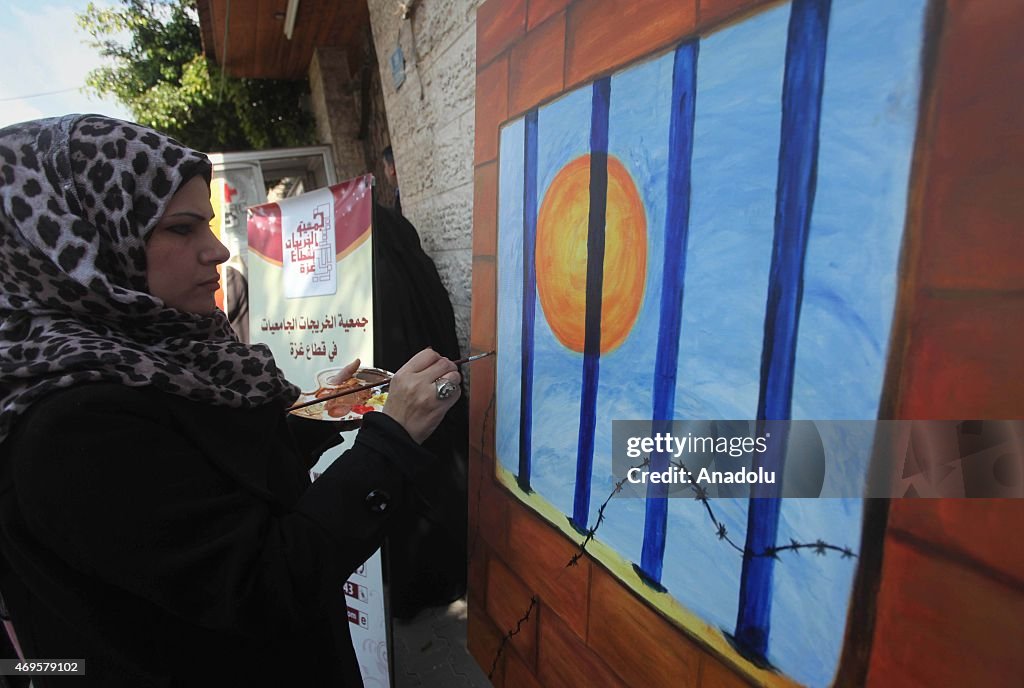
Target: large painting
x,y
711,233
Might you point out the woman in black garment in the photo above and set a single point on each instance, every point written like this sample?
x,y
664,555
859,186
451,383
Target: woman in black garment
x,y
427,560
156,515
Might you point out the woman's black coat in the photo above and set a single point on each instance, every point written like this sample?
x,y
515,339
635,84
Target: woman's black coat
x,y
172,543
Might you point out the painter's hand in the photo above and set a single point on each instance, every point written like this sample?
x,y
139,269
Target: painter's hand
x,y
413,399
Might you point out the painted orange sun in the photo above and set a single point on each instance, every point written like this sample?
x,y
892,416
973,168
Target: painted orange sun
x,y
561,254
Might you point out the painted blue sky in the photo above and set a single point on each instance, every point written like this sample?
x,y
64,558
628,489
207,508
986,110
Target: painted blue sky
x,y
563,134
510,289
868,123
735,164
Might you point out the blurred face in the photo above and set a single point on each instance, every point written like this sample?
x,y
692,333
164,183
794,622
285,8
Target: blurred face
x,y
390,171
182,253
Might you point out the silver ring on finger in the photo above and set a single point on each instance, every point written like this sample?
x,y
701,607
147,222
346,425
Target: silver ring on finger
x,y
445,388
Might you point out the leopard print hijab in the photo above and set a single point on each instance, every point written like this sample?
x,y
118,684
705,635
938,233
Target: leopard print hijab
x,y
79,195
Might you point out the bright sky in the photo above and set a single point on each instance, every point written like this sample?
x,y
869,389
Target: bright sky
x,y
46,51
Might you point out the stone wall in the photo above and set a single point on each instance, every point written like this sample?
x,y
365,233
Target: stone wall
x,y
348,105
334,96
431,118
374,125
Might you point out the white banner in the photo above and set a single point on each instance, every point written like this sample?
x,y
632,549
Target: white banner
x,y
310,265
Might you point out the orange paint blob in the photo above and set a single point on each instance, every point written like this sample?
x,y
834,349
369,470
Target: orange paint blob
x,y
561,254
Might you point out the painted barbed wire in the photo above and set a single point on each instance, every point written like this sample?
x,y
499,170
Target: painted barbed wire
x,y
600,515
534,601
819,546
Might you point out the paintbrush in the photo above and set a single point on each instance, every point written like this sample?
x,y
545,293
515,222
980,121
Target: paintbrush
x,y
376,385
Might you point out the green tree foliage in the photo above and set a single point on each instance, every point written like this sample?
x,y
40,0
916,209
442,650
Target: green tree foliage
x,y
162,76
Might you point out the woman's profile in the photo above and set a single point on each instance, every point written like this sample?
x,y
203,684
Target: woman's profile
x,y
156,514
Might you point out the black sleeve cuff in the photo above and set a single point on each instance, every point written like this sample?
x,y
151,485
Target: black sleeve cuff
x,y
358,497
385,435
313,437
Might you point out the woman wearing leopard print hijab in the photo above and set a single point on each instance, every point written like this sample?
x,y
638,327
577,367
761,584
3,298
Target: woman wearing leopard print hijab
x,y
156,516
